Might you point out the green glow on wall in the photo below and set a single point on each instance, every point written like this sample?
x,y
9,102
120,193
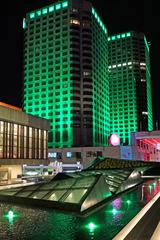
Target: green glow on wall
x,y
32,15
146,43
38,13
128,34
100,110
99,20
119,36
64,4
49,94
44,11
51,9
58,6
24,23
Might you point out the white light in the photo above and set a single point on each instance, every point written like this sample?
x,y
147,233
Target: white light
x,y
144,113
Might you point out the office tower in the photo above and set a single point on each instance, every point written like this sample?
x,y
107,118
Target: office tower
x,y
130,84
66,72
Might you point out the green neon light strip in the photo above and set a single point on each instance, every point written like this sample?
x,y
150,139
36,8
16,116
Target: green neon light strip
x,y
24,23
145,40
123,35
99,20
49,9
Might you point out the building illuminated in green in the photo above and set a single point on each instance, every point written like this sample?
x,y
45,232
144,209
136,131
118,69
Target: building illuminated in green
x,y
130,84
66,72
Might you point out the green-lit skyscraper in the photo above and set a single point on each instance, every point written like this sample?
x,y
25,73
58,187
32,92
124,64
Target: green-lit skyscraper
x,y
130,84
66,72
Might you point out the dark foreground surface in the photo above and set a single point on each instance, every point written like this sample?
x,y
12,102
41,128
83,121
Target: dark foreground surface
x,y
20,222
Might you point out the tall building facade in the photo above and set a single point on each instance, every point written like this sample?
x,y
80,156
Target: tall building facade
x,y
66,72
129,84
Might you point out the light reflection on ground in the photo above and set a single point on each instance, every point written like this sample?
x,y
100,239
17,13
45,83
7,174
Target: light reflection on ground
x,y
31,223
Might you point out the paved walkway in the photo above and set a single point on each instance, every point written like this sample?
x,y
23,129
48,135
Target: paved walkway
x,y
145,225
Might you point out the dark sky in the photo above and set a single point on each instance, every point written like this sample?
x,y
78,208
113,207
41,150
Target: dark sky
x,y
119,16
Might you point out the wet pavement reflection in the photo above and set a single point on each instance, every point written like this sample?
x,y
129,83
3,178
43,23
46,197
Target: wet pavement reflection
x,y
20,222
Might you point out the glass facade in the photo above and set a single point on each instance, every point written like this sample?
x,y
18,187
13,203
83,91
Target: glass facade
x,y
64,73
22,142
130,85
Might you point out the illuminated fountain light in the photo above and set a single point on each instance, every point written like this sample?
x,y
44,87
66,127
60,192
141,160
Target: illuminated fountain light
x,y
10,215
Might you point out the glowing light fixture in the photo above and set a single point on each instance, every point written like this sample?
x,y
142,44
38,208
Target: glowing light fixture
x,y
114,211
10,215
91,226
114,140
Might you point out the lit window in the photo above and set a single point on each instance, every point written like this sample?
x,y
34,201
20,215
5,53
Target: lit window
x,y
86,73
69,154
118,36
143,68
32,15
65,4
143,80
52,155
51,9
75,21
44,11
113,37
128,34
144,113
58,6
38,13
123,35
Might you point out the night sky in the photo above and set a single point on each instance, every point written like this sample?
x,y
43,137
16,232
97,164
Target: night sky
x,y
119,16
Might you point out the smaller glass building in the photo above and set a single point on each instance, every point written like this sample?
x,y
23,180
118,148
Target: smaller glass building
x,y
23,138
